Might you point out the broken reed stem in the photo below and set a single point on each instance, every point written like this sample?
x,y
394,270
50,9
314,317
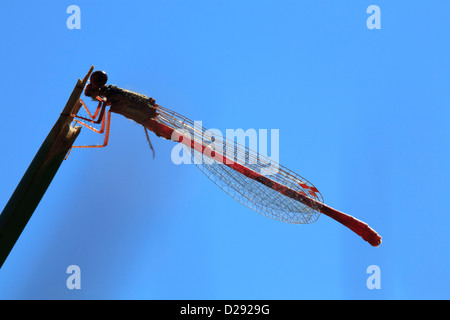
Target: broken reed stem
x,y
40,173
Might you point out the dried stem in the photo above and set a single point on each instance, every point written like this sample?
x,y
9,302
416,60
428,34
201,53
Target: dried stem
x,y
40,173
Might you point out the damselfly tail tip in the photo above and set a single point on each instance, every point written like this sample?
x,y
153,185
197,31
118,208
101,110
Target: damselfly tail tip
x,y
373,238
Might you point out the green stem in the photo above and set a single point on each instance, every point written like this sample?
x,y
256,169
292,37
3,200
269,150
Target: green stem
x,y
40,173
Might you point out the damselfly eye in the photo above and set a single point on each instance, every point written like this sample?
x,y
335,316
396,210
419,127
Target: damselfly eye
x,y
98,78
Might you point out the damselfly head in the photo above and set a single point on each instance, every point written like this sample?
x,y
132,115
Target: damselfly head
x,y
96,82
98,79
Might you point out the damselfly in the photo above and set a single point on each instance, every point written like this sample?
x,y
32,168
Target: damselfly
x,y
242,173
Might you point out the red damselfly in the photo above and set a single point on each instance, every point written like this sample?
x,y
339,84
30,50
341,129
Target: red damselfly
x,y
242,173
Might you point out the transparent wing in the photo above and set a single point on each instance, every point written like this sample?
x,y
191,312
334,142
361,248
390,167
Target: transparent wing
x,y
255,195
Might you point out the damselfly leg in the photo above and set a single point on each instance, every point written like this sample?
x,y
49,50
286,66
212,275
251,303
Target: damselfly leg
x,y
100,109
103,118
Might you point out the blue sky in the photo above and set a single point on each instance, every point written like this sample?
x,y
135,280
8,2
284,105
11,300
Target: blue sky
x,y
363,114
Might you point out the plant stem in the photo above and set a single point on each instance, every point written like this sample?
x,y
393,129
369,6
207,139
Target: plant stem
x,y
40,173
